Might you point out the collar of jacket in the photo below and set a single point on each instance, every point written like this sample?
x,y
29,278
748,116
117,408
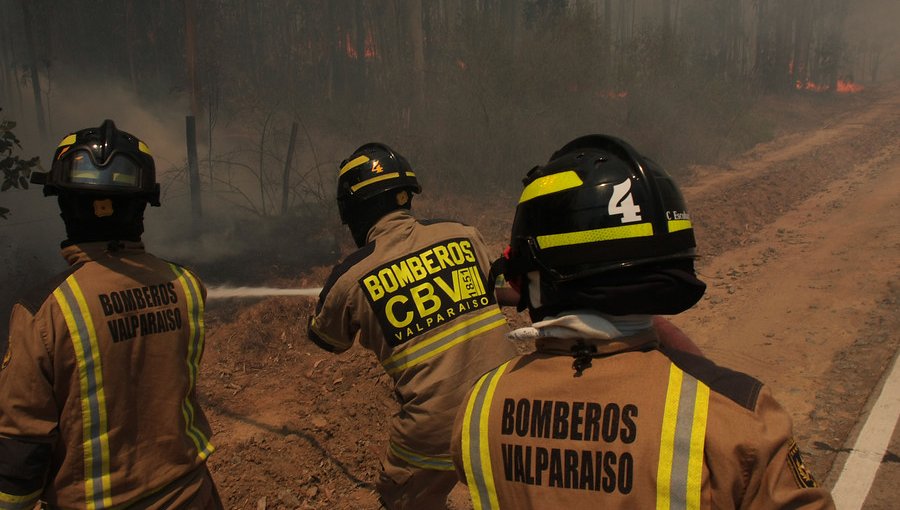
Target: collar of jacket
x,y
400,220
85,252
642,341
558,335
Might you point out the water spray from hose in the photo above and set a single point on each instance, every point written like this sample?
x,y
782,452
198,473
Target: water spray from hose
x,y
225,292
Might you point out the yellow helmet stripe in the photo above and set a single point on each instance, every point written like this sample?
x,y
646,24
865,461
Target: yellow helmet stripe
x,y
143,148
373,180
550,184
353,164
595,235
676,225
69,140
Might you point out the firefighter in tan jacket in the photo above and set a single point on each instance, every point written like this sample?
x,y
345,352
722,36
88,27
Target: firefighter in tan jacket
x,y
416,293
98,407
600,415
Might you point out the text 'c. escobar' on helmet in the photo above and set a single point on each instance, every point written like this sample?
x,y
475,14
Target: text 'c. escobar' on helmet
x,y
102,161
595,207
372,170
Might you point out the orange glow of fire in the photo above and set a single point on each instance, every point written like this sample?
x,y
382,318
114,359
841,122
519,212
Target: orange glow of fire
x,y
848,87
368,50
843,87
810,86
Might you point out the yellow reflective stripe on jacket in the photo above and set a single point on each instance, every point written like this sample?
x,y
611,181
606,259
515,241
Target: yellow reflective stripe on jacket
x,y
13,502
431,347
476,454
195,349
680,470
435,463
93,398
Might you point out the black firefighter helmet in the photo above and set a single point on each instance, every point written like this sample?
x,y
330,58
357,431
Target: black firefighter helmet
x,y
102,161
602,226
372,182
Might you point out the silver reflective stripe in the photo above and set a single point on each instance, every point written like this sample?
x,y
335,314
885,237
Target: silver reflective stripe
x,y
682,445
475,446
433,462
680,470
95,428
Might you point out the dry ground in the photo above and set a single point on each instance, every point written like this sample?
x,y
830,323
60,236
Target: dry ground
x,y
800,240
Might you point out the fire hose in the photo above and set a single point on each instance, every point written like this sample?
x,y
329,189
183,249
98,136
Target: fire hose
x,y
226,292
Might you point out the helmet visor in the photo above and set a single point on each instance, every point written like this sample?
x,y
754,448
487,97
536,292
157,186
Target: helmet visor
x,y
120,172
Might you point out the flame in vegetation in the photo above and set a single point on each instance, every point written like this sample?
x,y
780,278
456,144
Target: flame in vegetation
x,y
842,87
369,51
848,87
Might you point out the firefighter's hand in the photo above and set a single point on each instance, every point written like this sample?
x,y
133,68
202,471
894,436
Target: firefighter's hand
x,y
506,296
672,337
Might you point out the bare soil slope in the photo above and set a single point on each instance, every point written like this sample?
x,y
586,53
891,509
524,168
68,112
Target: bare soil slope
x,y
800,240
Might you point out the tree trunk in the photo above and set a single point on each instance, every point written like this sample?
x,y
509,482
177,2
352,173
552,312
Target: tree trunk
x,y
417,38
129,43
193,172
262,166
211,112
360,84
190,52
784,41
666,10
606,45
35,76
7,74
799,63
286,176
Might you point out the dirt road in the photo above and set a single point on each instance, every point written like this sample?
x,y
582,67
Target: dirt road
x,y
801,245
809,300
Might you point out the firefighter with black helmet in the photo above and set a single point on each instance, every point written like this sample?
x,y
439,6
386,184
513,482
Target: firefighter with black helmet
x,y
98,404
417,294
602,414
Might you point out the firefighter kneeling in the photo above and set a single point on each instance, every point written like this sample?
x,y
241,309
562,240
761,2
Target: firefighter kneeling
x,y
601,414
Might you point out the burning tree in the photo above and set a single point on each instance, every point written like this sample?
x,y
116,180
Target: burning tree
x,y
16,170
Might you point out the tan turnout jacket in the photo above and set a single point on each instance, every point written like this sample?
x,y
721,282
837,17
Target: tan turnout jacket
x,y
99,386
639,428
416,295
